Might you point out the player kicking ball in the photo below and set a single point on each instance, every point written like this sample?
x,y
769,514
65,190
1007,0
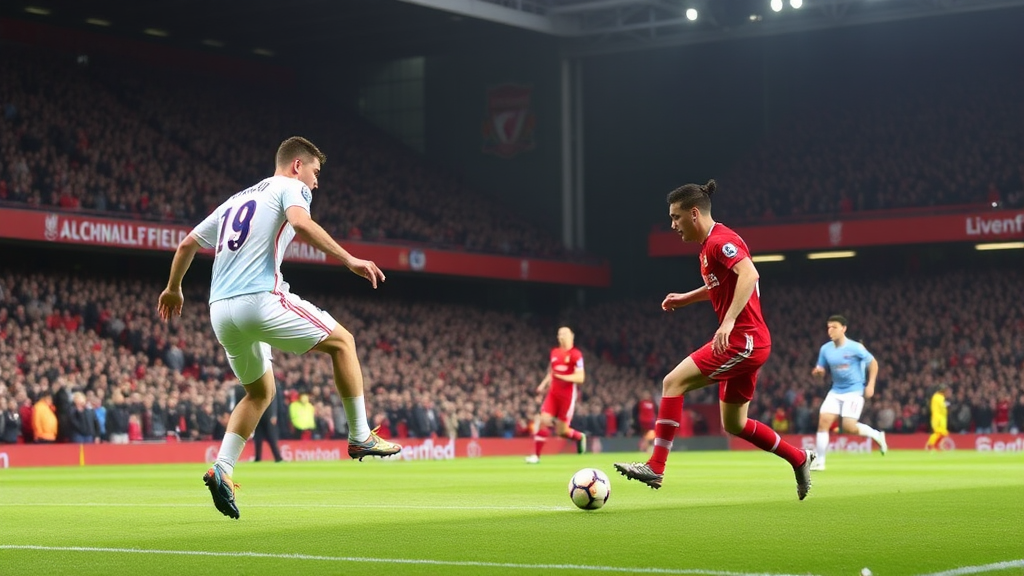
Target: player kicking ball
x,y
251,308
846,360
734,355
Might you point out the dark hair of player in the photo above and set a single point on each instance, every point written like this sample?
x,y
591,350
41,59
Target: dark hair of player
x,y
837,318
298,147
693,195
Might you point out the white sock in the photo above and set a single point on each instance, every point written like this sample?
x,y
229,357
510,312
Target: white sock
x,y
821,446
230,449
865,430
355,411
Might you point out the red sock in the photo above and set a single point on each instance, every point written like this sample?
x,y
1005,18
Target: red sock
x,y
574,434
768,440
539,439
669,414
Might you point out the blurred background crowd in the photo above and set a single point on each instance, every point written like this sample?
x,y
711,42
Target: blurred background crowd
x,y
83,356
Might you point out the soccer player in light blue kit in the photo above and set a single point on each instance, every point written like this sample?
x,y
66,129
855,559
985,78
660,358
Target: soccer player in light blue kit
x,y
252,309
847,360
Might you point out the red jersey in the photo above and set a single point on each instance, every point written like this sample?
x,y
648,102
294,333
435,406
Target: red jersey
x,y
719,252
563,363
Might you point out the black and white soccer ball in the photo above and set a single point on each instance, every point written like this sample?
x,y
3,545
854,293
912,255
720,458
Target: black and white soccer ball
x,y
590,488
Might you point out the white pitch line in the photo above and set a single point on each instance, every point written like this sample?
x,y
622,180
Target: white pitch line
x,y
369,506
980,569
425,562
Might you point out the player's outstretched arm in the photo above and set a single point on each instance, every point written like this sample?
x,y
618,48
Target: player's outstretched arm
x,y
171,299
544,383
675,300
314,234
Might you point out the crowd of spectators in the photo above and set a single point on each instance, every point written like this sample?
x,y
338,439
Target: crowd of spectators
x,y
457,370
134,143
923,142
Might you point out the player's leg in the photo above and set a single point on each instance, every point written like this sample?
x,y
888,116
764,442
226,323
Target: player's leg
x,y
853,405
348,379
565,409
542,429
683,378
734,402
829,412
245,417
938,433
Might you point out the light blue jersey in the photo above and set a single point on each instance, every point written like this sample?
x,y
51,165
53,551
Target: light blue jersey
x,y
847,364
249,233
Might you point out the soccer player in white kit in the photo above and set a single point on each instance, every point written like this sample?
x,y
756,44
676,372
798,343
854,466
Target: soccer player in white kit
x,y
252,310
847,360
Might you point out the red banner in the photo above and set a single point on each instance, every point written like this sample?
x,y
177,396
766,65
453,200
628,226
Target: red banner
x,y
863,444
967,227
22,455
60,227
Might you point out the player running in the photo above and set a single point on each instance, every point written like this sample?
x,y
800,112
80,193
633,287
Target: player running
x,y
735,354
939,410
251,308
565,373
846,360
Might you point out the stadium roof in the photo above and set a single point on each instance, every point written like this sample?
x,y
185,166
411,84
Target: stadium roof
x,y
382,29
602,26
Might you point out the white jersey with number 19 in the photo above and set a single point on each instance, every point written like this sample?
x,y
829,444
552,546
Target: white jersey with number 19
x,y
249,233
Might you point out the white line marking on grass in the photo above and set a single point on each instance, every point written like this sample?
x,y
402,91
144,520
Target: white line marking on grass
x,y
980,569
467,563
369,506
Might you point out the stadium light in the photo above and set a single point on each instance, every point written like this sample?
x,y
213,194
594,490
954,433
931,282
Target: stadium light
x,y
768,258
777,5
831,255
262,51
796,4
37,10
213,43
156,32
97,21
999,246
691,14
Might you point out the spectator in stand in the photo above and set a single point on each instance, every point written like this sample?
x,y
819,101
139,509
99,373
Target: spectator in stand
x,y
303,416
83,426
44,419
117,418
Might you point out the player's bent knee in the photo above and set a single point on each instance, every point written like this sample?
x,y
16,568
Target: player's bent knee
x,y
339,341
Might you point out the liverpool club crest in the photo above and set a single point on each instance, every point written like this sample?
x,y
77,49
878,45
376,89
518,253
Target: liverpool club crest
x,y
509,126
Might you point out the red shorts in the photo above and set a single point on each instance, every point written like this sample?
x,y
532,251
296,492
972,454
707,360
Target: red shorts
x,y
560,403
735,370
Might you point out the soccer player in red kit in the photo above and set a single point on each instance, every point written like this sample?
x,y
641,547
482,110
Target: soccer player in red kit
x,y
565,373
734,355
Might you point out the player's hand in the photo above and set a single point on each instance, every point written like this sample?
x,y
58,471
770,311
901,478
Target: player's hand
x,y
721,341
869,391
541,389
170,303
818,371
672,301
366,269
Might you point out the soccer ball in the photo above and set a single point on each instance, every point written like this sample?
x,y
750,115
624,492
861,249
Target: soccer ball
x,y
589,488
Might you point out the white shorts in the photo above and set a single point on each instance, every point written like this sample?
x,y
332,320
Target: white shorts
x,y
248,325
847,404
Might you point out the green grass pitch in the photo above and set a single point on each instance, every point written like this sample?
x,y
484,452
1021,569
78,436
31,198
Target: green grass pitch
x,y
719,513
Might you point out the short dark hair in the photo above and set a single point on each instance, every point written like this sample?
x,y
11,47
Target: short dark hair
x,y
297,147
693,195
838,318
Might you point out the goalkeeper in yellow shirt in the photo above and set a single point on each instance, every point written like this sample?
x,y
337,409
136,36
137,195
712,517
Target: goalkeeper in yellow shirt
x,y
938,410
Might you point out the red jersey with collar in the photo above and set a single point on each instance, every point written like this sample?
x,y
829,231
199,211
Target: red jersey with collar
x,y
563,363
719,252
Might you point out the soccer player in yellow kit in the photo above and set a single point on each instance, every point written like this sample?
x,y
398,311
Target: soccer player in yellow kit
x,y
938,408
